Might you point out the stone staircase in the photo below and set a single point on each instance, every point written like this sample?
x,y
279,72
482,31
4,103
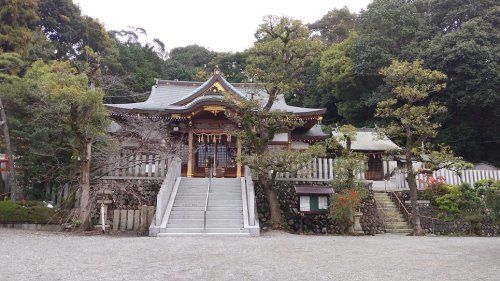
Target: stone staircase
x,y
224,213
394,221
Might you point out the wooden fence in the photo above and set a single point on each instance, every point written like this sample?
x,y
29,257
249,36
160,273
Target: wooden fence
x,y
450,177
134,165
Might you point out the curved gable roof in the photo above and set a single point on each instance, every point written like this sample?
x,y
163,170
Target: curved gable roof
x,y
178,96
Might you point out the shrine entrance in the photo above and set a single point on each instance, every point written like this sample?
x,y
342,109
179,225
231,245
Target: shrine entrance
x,y
211,142
214,150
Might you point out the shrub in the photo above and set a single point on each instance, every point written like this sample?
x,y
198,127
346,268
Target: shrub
x,y
459,203
24,212
489,191
344,203
438,190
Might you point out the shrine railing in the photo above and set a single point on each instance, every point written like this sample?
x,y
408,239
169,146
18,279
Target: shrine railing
x,y
317,170
129,165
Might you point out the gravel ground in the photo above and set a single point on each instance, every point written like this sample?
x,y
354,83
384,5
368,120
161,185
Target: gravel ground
x,y
29,255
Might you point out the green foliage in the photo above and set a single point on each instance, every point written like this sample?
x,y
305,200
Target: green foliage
x,y
185,62
468,54
232,65
347,164
69,31
18,25
278,57
458,203
10,65
448,203
335,26
406,111
24,212
259,125
52,111
384,29
489,191
458,38
131,70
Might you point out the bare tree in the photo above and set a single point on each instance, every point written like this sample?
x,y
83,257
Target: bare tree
x,y
131,137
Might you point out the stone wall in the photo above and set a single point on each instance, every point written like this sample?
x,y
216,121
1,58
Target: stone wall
x,y
313,223
439,226
127,194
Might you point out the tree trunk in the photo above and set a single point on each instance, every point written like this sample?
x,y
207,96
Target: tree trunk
x,y
274,208
85,184
412,184
11,179
274,205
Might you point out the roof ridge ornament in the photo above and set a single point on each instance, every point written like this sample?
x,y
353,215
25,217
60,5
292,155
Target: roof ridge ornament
x,y
217,71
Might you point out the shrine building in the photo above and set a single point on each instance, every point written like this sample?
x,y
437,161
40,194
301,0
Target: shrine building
x,y
197,114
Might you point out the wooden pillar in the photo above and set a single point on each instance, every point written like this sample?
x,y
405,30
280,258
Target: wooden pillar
x,y
190,155
238,157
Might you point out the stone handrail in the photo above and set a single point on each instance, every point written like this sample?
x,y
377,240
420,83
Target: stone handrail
x,y
207,198
250,196
163,197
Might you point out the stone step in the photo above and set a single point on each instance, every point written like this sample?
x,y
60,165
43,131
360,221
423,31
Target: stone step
x,y
201,230
224,202
210,212
199,215
194,197
210,208
386,206
399,225
388,209
387,201
378,198
392,215
209,221
205,234
212,190
394,219
209,225
225,208
214,183
403,231
189,204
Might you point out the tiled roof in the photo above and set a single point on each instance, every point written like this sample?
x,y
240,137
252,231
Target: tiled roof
x,y
312,189
369,140
175,96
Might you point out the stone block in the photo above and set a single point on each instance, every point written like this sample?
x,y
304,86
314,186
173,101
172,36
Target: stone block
x,y
116,219
137,217
151,214
123,219
130,219
144,218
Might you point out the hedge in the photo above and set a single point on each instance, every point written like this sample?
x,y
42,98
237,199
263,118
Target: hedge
x,y
24,212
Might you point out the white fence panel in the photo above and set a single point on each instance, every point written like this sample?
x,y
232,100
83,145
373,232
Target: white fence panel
x,y
319,169
450,177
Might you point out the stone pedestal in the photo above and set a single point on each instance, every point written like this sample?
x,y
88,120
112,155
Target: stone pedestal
x,y
357,225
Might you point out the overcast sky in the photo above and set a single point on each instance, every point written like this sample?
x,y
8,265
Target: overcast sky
x,y
220,25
